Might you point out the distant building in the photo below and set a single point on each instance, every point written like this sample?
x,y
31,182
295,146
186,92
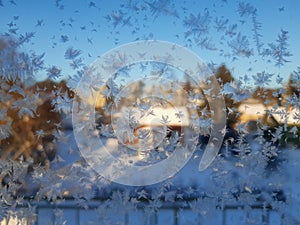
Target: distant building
x,y
254,110
290,116
251,110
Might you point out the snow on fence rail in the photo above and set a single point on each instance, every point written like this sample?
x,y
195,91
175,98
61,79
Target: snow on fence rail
x,y
181,213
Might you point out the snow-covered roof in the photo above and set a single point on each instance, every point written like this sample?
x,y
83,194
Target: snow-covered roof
x,y
252,109
284,115
281,114
156,116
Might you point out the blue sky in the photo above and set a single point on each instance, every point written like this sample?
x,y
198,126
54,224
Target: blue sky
x,y
87,27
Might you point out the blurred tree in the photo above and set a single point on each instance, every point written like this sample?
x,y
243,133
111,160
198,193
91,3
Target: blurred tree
x,y
224,76
225,80
27,116
293,84
267,96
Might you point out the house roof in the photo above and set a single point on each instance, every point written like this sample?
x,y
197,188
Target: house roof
x,y
284,115
175,116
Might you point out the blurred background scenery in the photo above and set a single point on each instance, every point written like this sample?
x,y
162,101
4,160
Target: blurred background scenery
x,y
251,47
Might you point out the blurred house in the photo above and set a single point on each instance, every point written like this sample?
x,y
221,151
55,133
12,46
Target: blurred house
x,y
285,115
142,130
251,110
254,110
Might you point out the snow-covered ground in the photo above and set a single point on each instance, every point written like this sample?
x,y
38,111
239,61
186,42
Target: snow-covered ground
x,y
243,177
233,190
